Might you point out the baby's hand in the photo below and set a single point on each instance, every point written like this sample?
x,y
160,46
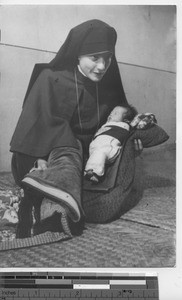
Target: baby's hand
x,y
41,164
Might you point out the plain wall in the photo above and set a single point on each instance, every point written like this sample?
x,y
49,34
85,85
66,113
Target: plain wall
x,y
145,52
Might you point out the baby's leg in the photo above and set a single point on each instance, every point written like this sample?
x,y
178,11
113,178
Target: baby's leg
x,y
96,162
100,150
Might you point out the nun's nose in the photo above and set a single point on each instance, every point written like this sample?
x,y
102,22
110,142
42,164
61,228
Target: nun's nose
x,y
101,64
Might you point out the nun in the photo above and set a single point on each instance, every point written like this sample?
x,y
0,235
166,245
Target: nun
x,y
67,100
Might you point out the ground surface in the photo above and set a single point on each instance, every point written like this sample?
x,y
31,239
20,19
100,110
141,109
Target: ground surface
x,y
143,237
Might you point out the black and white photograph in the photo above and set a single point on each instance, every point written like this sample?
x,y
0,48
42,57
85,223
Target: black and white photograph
x,y
73,77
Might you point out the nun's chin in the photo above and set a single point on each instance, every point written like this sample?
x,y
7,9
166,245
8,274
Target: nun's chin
x,y
95,76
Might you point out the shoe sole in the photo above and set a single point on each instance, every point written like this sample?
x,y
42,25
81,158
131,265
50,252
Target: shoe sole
x,y
67,200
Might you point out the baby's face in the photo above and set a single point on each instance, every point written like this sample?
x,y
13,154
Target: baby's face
x,y
117,115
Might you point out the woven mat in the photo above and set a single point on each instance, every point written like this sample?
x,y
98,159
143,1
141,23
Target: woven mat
x,y
143,237
120,244
44,238
150,211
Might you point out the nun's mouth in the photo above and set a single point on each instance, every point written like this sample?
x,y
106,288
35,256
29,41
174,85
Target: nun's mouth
x,y
99,74
96,76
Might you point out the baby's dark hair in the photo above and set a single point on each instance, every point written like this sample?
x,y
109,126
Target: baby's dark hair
x,y
131,112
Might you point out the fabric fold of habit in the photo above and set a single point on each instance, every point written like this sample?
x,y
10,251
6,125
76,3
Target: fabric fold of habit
x,y
44,123
61,181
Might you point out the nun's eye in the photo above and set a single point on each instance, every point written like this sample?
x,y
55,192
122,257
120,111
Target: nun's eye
x,y
94,57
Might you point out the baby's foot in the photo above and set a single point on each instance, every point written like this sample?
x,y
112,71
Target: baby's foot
x,y
94,178
90,175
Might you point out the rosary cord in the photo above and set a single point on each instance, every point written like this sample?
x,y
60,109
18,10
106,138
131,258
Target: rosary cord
x,y
77,99
98,110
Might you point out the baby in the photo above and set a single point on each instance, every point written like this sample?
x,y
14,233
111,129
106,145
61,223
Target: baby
x,y
108,141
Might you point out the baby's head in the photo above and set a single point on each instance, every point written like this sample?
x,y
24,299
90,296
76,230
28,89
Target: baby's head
x,y
122,114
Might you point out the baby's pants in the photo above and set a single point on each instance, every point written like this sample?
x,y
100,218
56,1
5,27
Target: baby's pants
x,y
103,149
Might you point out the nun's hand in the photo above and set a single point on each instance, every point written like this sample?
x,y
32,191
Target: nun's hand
x,y
138,147
41,164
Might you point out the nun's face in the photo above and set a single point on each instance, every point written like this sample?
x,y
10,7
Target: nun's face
x,y
94,66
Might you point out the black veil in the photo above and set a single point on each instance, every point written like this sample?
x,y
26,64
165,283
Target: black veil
x,y
67,57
